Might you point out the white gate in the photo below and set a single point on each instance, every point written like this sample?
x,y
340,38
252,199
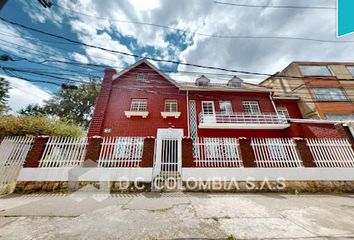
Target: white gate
x,y
13,153
168,160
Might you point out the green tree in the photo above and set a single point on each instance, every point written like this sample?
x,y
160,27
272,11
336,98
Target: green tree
x,y
22,125
32,110
4,95
71,105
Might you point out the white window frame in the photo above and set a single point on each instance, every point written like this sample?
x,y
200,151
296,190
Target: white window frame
x,y
171,105
142,77
328,68
327,96
283,111
251,107
213,107
138,105
227,109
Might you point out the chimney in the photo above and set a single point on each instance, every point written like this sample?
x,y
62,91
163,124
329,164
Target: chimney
x,y
96,124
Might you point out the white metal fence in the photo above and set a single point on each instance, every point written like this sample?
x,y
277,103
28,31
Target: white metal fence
x,y
63,152
217,152
331,152
13,153
275,152
121,152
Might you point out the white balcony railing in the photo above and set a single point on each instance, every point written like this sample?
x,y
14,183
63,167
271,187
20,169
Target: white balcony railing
x,y
243,121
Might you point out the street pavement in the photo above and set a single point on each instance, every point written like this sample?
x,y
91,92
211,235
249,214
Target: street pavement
x,y
177,216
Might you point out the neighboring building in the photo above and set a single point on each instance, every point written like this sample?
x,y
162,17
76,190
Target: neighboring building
x,y
141,100
325,89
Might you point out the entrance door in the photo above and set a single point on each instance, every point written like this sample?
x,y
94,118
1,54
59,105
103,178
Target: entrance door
x,y
208,110
168,160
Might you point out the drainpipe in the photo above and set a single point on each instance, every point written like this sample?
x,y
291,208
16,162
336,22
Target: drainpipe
x,y
271,99
187,98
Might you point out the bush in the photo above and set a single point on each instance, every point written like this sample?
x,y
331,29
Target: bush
x,y
11,125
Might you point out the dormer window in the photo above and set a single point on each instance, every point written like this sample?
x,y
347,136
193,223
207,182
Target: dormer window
x,y
143,77
202,81
235,82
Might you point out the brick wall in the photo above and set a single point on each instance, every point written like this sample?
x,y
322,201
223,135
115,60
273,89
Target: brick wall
x,y
101,104
35,154
120,101
93,148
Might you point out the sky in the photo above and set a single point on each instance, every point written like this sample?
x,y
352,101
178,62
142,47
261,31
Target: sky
x,y
200,32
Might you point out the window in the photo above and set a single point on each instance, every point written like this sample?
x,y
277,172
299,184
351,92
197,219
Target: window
x,y
351,69
329,94
340,117
143,77
251,107
283,111
208,107
225,107
171,106
138,105
316,70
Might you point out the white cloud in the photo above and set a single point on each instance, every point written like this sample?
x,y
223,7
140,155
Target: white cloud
x,y
144,5
257,55
23,93
79,57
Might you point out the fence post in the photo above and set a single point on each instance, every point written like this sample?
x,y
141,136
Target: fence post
x,y
187,153
93,148
148,153
36,152
247,153
305,152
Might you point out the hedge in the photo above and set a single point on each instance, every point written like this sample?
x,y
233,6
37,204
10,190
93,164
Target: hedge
x,y
22,125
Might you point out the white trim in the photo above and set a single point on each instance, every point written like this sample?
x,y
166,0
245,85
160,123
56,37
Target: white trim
x,y
171,114
85,174
259,174
298,120
130,114
241,126
210,88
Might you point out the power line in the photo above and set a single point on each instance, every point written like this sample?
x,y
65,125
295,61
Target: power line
x,y
213,35
275,6
134,55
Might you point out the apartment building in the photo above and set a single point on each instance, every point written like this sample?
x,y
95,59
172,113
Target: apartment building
x,y
325,89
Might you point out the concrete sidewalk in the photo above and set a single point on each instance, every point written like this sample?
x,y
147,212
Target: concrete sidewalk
x,y
177,216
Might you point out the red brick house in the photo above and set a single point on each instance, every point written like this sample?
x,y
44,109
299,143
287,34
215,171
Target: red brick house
x,y
149,128
141,99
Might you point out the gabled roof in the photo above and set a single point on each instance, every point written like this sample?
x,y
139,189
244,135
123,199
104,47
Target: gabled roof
x,y
141,61
246,87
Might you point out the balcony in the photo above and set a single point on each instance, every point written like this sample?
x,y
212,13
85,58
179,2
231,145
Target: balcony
x,y
242,121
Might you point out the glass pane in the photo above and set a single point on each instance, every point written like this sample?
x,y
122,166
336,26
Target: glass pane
x,y
351,69
251,107
336,94
340,117
208,107
315,71
225,107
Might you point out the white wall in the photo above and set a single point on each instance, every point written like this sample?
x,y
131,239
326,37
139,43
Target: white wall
x,y
203,174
